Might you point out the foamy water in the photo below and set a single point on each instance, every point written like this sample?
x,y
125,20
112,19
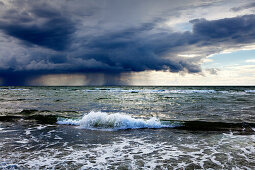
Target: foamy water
x,y
58,147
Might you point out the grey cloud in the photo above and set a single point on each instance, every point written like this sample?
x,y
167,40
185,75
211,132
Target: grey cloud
x,y
234,30
243,7
213,71
51,41
44,27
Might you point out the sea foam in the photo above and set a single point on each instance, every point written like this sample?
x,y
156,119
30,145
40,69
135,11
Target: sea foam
x,y
192,91
116,121
250,91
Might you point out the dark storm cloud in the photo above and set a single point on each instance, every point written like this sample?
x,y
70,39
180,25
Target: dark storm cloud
x,y
230,30
55,39
42,27
130,50
133,50
13,78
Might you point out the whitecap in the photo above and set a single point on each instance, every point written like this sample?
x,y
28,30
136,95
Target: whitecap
x,y
116,121
192,91
18,89
119,90
249,91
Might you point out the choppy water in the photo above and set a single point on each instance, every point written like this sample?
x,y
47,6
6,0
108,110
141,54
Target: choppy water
x,y
127,127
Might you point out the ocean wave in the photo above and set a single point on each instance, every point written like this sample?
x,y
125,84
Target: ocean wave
x,y
125,90
148,90
18,89
120,121
177,91
116,121
197,125
30,115
192,91
5,89
250,91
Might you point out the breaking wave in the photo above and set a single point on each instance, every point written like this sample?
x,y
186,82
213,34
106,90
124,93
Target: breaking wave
x,y
116,121
120,121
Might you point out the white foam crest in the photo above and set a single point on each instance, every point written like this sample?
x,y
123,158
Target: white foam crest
x,y
249,91
4,89
116,121
18,89
126,90
151,90
192,91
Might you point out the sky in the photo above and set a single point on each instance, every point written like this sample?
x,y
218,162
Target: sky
x,y
120,42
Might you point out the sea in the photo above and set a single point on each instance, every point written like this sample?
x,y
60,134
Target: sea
x,y
127,127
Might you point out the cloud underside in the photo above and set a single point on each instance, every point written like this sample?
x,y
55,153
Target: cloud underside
x,y
48,41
